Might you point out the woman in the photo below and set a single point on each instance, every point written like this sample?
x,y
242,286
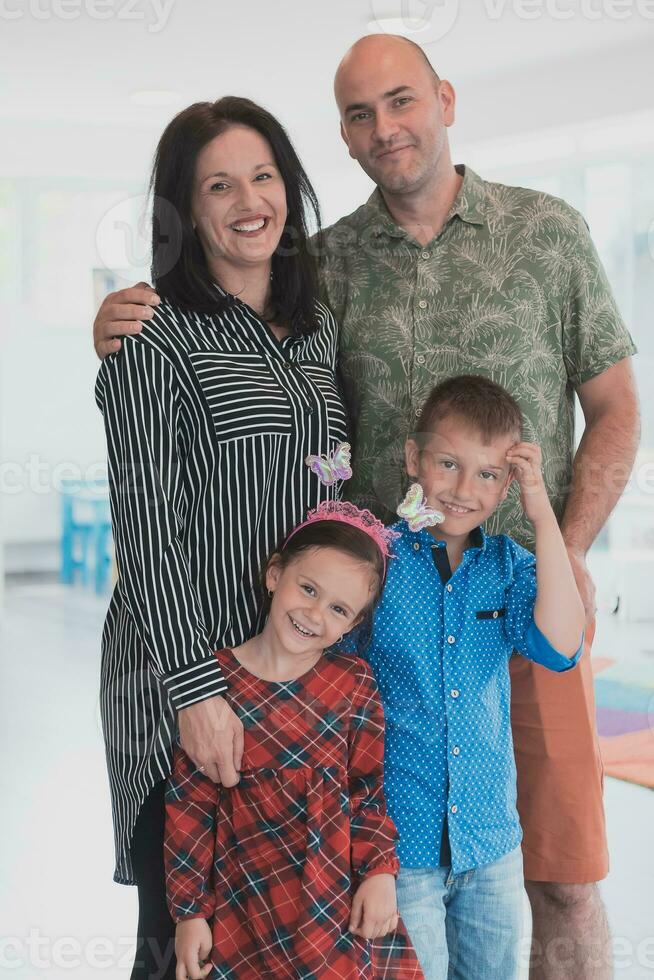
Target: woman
x,y
209,413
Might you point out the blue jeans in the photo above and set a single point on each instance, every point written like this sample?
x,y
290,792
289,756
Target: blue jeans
x,y
465,927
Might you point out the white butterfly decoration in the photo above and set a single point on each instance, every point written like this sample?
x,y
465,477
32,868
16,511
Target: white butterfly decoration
x,y
416,512
332,467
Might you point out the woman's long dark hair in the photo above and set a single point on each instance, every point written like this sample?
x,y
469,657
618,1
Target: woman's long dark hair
x,y
179,269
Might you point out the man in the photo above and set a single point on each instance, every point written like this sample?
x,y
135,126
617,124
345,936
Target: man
x,y
442,273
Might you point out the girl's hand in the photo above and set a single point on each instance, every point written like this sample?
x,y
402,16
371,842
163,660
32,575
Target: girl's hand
x,y
193,942
526,460
374,907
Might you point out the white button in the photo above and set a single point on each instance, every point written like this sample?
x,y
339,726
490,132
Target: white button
x,y
421,358
416,546
451,639
423,304
454,693
448,587
454,809
456,750
425,255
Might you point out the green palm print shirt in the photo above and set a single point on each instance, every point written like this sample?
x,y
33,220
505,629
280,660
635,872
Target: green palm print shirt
x,y
511,288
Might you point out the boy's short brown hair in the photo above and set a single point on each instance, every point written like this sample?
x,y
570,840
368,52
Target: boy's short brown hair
x,y
482,403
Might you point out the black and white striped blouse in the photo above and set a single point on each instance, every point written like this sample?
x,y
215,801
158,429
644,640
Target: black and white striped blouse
x,y
208,420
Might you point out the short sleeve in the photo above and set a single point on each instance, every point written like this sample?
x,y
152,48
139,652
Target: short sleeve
x,y
594,335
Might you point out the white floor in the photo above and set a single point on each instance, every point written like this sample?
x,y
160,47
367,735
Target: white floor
x,y
61,916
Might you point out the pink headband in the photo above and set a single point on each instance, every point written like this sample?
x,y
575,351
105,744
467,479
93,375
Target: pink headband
x,y
347,513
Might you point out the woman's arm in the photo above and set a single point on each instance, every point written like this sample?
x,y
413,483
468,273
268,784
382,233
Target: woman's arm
x,y
138,394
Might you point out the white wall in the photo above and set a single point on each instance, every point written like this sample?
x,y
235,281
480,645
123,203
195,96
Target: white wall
x,y
47,374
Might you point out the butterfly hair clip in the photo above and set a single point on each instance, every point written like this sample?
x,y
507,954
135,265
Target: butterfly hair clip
x,y
332,467
416,512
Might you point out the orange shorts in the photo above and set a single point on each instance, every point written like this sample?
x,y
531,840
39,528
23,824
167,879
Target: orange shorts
x,y
560,774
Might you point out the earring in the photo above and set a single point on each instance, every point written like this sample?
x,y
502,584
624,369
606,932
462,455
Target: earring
x,y
270,593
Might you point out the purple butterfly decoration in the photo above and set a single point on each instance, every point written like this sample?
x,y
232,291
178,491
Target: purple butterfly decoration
x,y
416,512
332,467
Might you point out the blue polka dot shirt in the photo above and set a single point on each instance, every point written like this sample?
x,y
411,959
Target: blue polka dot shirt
x,y
440,651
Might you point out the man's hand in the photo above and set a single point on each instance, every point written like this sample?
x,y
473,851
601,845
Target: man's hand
x,y
212,736
585,584
193,942
374,907
121,313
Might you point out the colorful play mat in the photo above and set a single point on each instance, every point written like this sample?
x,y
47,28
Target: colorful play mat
x,y
624,698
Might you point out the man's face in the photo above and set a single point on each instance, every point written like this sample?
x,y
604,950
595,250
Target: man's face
x,y
394,116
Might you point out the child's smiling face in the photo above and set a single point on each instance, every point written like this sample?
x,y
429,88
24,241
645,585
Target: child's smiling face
x,y
317,597
462,474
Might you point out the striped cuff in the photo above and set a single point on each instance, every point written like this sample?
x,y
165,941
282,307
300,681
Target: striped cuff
x,y
195,682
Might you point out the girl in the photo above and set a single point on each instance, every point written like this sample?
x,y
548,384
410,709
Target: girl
x,y
295,865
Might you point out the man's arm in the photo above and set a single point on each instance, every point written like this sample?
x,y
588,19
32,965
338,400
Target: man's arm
x,y
602,464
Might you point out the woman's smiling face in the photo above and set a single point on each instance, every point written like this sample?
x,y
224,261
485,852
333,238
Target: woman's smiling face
x,y
239,199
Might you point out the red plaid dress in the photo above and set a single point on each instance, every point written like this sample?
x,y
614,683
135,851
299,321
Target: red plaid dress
x,y
274,861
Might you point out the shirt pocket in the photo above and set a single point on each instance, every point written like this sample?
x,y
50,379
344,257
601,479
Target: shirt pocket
x,y
489,629
491,613
244,397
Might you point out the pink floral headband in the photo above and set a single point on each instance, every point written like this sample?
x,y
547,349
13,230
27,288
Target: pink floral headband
x,y
346,513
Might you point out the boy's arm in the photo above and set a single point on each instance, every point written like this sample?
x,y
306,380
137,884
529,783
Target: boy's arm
x,y
558,610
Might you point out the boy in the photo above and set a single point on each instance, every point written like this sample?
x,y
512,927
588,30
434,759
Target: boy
x,y
456,604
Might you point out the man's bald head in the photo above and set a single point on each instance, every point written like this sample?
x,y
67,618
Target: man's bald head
x,y
394,111
374,46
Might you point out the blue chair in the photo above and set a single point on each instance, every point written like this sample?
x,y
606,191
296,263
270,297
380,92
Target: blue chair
x,y
86,532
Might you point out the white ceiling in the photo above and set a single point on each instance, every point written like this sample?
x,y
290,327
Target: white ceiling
x,y
281,52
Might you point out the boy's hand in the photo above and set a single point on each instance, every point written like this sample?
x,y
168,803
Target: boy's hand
x,y
193,944
374,907
526,459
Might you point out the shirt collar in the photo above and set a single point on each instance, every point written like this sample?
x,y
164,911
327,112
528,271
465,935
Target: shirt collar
x,y
291,340
469,206
423,537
